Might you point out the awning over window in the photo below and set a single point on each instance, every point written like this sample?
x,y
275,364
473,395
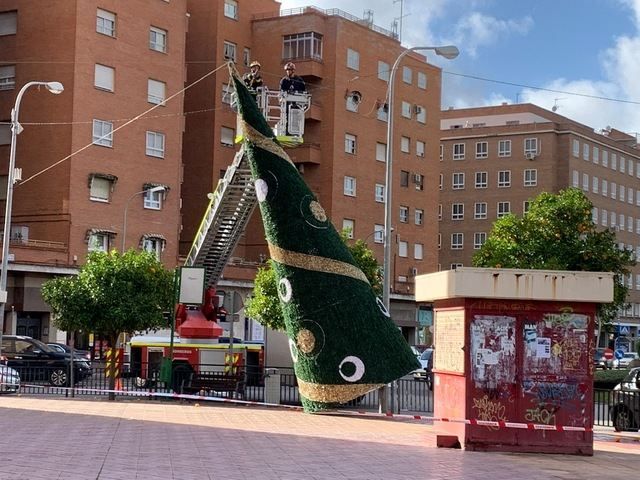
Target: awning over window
x,y
153,236
106,176
99,231
148,185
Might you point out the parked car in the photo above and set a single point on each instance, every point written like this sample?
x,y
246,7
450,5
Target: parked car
x,y
34,361
625,409
82,355
425,372
603,358
9,378
626,359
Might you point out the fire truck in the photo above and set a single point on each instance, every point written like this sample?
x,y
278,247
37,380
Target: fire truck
x,y
198,345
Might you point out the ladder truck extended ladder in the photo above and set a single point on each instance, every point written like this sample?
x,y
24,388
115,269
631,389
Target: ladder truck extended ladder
x,y
224,221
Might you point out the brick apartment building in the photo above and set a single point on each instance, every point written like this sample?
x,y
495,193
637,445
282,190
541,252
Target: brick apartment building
x,y
494,160
343,155
119,59
116,60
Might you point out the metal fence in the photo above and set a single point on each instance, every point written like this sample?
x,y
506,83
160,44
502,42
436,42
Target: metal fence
x,y
616,408
409,394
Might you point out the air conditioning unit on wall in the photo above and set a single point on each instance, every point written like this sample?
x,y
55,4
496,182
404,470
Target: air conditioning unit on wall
x,y
19,234
530,156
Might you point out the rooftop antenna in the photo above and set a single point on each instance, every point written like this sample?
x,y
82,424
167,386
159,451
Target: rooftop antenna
x,y
399,18
367,16
555,104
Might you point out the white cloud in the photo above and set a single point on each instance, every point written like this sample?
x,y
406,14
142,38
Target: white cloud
x,y
477,30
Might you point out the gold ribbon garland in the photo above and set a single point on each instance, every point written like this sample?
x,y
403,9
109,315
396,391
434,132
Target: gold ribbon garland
x,y
334,393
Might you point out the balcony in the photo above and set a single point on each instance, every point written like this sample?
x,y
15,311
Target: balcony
x,y
306,153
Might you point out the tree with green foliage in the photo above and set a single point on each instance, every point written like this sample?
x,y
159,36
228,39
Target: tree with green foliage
x,y
264,304
113,293
558,233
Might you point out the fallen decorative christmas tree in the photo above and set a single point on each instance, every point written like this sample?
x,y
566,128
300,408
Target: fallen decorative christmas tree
x,y
342,340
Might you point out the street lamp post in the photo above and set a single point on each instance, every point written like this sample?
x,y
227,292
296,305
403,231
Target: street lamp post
x,y
55,88
449,52
159,188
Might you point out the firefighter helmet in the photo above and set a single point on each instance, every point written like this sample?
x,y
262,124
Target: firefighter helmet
x,y
290,66
255,63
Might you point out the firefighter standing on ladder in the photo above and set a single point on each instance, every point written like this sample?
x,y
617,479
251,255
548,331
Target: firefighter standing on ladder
x,y
291,83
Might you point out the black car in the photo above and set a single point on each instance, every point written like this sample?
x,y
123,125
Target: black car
x,y
34,361
82,355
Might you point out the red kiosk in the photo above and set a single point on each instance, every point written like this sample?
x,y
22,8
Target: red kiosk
x,y
515,346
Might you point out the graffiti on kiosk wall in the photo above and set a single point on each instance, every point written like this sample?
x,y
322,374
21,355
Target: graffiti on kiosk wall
x,y
489,410
493,351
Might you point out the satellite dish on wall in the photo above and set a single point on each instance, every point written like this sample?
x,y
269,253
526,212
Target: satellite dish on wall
x,y
356,96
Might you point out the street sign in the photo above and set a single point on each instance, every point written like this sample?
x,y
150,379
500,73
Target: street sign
x,y
619,353
624,330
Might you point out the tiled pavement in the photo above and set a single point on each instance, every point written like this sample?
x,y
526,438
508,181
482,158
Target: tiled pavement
x,y
44,438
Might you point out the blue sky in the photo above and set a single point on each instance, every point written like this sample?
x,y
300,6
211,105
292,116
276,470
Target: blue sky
x,y
577,48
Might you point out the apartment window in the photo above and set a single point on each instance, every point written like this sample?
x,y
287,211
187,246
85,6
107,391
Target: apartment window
x,y
102,133
479,239
585,182
379,193
576,179
158,39
405,144
630,167
422,80
595,184
231,9
353,59
530,177
404,178
525,207
419,216
350,143
621,219
417,251
104,77
441,182
605,158
622,164
156,91
98,242
302,46
349,188
575,149
504,178
457,211
595,215
378,236
383,71
439,212
227,92
480,210
404,214
457,241
604,217
457,181
381,152
419,148
349,226
403,248
441,152
229,51
406,109
504,148
418,181
458,151
246,56
482,179
153,200
421,113
630,196
482,150
407,75
622,191
352,102
637,194
629,224
153,245
100,189
7,77
105,23
227,136
155,144
596,155
439,246
531,146
614,161
504,208
585,151
383,112
605,188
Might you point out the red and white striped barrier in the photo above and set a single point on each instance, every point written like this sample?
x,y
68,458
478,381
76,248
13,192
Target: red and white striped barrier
x,y
399,416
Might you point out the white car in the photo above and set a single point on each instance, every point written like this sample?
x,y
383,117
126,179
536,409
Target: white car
x,y
9,380
626,359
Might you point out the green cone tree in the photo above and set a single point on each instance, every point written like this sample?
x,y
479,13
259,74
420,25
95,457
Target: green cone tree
x,y
342,339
